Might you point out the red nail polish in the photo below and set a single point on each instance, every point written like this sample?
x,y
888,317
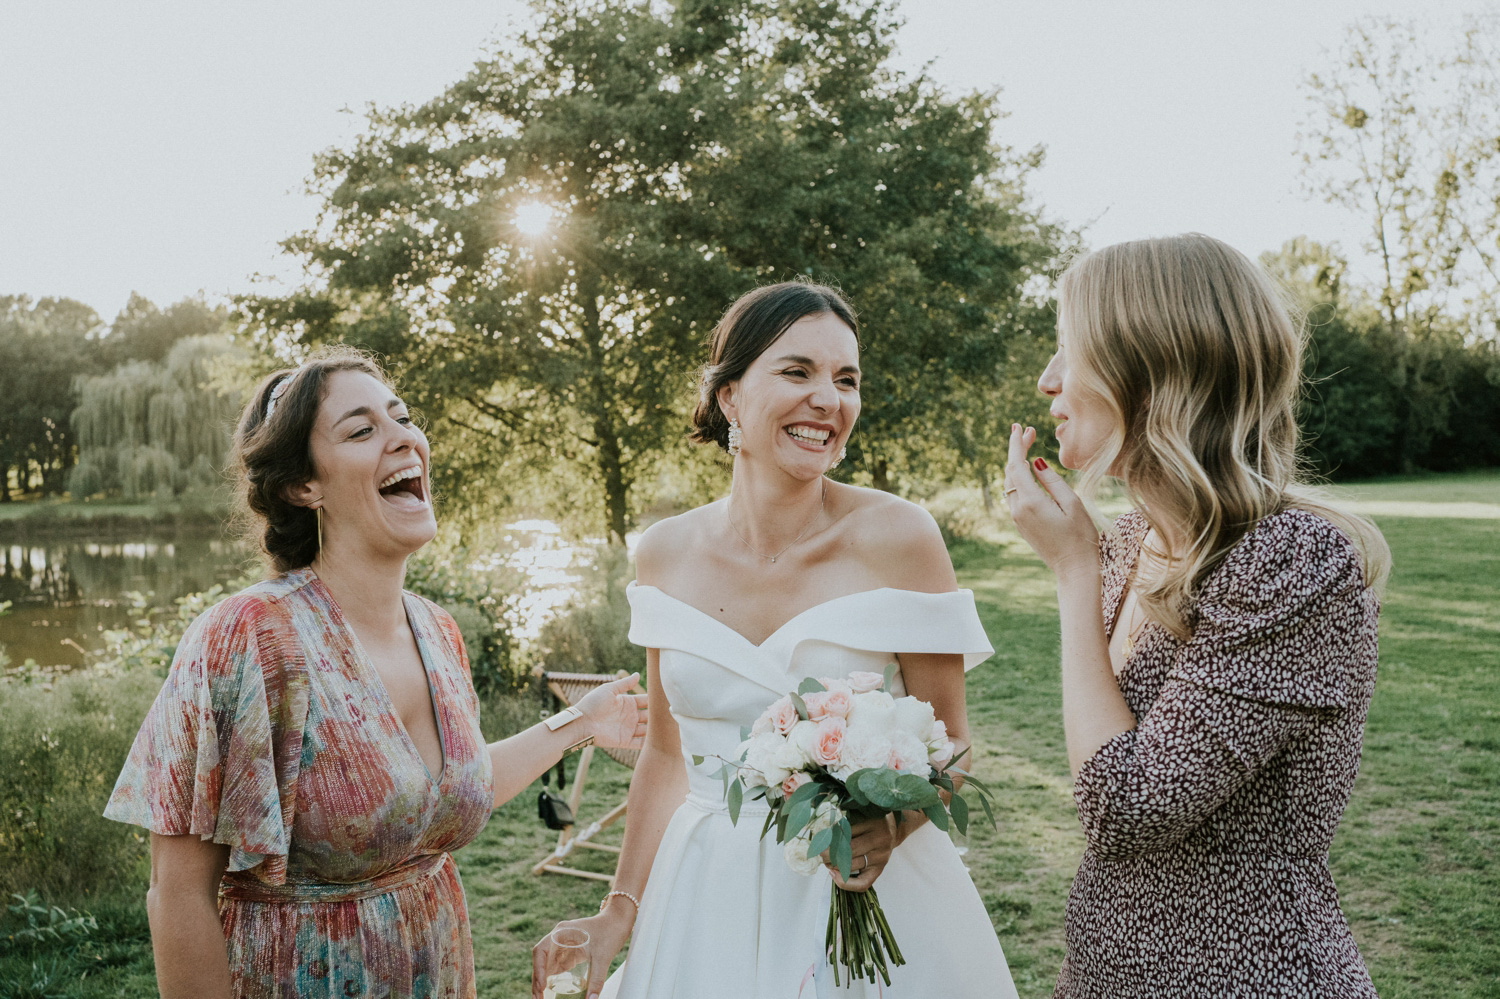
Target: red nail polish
x,y
1041,464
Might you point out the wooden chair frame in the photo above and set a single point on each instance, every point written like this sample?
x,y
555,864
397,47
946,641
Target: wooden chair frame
x,y
567,688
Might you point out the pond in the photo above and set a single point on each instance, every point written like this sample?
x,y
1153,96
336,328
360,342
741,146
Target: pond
x,y
66,591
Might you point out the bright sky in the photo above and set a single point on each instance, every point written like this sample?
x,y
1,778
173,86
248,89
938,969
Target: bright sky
x,y
161,145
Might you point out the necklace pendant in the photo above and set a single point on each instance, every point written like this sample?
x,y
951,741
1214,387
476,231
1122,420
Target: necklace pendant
x,y
773,559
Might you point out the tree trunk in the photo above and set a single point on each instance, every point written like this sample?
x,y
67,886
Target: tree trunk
x,y
615,486
984,491
880,475
5,496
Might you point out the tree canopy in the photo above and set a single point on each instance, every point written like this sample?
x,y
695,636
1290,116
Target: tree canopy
x,y
680,155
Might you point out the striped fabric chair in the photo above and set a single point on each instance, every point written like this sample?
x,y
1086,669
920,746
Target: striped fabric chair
x,y
568,688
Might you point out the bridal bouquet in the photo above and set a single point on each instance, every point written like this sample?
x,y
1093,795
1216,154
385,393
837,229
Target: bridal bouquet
x,y
833,753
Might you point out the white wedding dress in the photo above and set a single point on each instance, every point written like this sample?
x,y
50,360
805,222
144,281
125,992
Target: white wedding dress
x,y
723,916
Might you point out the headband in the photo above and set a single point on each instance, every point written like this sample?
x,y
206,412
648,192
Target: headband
x,y
280,390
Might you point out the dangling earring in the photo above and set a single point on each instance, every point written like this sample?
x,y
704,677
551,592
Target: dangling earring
x,y
734,437
319,512
840,459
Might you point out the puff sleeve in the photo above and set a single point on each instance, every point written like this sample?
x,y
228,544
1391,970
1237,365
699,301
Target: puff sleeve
x,y
218,753
1279,631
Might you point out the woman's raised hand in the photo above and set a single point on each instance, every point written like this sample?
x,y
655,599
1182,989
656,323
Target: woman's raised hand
x,y
1048,514
616,716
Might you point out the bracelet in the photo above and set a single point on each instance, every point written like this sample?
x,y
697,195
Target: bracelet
x,y
562,718
605,900
583,743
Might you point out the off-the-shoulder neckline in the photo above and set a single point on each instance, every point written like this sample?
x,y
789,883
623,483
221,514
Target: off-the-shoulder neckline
x,y
795,617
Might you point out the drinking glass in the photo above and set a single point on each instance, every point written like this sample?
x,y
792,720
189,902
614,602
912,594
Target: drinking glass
x,y
569,954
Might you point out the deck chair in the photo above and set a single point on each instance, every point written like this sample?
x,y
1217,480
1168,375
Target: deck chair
x,y
568,688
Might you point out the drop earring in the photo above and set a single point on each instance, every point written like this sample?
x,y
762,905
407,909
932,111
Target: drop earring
x,y
840,459
319,512
734,437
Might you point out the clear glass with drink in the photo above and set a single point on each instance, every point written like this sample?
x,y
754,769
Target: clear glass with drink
x,y
569,954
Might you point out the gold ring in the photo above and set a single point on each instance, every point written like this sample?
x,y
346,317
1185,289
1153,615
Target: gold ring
x,y
1012,489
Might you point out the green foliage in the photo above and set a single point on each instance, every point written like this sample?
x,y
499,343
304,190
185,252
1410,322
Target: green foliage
x,y
1402,128
43,345
62,744
588,635
48,923
482,602
1380,399
155,428
690,151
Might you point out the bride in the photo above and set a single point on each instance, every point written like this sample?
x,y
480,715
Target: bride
x,y
793,575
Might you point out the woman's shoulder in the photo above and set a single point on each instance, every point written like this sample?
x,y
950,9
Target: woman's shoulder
x,y
667,539
1289,547
897,540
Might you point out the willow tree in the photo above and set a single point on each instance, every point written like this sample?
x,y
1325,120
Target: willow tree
x,y
43,344
155,428
542,248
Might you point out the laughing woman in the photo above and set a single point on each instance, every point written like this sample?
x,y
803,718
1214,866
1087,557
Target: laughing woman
x,y
1218,645
315,755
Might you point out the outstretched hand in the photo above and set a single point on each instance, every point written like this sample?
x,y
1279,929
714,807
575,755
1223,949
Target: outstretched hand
x,y
1047,513
616,716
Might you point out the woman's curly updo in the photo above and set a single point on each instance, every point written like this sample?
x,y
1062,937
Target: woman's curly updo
x,y
273,453
754,322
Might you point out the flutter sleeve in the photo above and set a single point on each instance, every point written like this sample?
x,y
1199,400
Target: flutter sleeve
x,y
218,753
1280,630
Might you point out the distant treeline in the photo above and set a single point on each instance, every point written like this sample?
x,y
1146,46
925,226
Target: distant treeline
x,y
142,408
138,408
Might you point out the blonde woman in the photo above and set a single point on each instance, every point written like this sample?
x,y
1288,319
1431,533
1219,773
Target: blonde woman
x,y
1218,644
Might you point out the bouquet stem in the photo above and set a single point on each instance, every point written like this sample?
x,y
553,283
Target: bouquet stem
x,y
859,938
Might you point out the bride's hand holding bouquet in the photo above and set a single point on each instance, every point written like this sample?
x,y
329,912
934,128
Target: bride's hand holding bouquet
x,y
838,762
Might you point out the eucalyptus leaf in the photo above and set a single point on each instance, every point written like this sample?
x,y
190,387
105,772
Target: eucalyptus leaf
x,y
797,818
938,814
890,676
698,760
810,685
735,798
985,802
840,850
800,705
959,809
821,841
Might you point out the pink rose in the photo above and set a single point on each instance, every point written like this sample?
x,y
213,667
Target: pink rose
x,y
837,703
780,716
814,701
863,681
828,741
793,782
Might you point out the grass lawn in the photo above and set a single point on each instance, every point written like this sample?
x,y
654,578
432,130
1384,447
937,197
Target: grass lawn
x,y
1415,858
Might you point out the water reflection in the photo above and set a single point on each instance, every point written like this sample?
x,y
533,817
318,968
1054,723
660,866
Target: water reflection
x,y
65,592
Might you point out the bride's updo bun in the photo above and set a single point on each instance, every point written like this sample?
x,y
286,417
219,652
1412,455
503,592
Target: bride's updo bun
x,y
754,322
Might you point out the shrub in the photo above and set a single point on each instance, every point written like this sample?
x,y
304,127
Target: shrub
x,y
588,634
61,748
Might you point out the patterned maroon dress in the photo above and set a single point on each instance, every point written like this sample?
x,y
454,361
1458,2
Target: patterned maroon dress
x,y
1208,826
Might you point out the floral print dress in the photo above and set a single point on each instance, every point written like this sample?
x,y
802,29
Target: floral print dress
x,y
274,736
1205,874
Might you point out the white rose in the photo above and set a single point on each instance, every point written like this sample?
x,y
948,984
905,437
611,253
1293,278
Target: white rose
x,y
873,711
802,735
797,859
863,748
915,716
761,757
787,760
908,753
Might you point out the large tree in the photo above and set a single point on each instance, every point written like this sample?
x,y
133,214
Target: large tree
x,y
43,345
679,154
1403,128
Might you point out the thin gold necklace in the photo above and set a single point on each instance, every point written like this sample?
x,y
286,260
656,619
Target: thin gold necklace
x,y
822,498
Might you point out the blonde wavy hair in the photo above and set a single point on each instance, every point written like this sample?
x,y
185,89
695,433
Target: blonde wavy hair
x,y
1197,353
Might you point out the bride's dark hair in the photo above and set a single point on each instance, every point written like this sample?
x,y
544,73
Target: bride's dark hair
x,y
754,322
